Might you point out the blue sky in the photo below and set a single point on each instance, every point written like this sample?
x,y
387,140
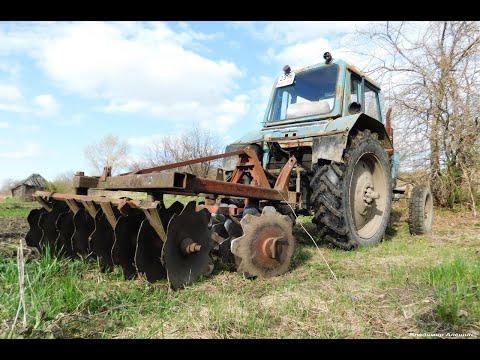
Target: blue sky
x,y
65,85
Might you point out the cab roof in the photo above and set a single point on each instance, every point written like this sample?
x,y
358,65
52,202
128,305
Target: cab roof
x,y
342,63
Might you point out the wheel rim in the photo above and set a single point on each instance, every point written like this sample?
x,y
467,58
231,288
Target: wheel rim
x,y
368,195
428,211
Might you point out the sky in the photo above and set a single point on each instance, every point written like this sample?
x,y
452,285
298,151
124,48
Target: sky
x,y
65,85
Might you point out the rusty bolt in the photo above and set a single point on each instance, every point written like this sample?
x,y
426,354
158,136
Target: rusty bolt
x,y
188,246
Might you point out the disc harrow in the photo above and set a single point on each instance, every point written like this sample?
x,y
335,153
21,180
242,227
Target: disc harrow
x,y
176,243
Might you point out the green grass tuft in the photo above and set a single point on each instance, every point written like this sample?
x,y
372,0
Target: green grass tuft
x,y
456,288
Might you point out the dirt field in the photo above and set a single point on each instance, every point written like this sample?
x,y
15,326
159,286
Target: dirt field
x,y
406,287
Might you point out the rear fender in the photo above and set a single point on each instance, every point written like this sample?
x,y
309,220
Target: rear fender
x,y
330,147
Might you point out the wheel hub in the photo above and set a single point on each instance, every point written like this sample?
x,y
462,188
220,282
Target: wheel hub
x,y
272,247
366,195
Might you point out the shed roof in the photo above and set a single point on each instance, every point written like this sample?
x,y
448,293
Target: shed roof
x,y
34,180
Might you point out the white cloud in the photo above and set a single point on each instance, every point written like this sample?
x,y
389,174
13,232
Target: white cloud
x,y
133,67
302,54
219,115
11,99
4,125
97,59
46,104
25,151
291,32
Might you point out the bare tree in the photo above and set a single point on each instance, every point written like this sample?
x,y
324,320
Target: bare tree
x,y
433,72
192,143
7,184
109,151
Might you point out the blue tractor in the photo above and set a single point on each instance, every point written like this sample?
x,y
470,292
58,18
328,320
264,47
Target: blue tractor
x,y
330,117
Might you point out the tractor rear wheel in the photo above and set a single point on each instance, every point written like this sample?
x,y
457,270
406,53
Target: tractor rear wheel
x,y
353,199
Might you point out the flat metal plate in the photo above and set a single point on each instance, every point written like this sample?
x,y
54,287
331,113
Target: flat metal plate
x,y
286,79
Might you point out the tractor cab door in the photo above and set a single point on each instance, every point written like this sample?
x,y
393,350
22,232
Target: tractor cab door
x,y
364,97
371,101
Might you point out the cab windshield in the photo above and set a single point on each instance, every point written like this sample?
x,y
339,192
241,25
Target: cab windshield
x,y
312,93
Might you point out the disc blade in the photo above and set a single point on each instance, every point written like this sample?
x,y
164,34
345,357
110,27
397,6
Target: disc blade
x,y
65,229
266,247
184,269
34,234
83,228
175,208
101,240
148,252
123,251
47,223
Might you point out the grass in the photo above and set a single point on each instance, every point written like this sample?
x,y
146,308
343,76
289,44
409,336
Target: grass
x,y
456,287
16,207
407,284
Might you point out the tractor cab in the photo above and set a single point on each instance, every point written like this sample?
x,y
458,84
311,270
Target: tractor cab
x,y
323,91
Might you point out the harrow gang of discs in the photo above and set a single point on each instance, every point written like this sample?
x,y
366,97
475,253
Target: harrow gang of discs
x,y
144,237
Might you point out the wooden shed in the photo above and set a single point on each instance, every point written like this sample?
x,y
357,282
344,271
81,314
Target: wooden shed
x,y
27,187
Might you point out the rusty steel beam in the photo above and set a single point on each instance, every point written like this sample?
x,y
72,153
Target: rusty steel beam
x,y
215,187
185,163
145,181
81,181
171,184
284,176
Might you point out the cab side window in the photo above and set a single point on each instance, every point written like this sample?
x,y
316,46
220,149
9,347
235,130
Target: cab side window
x,y
372,106
355,82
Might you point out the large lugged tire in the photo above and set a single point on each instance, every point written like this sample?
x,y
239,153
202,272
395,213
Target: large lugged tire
x,y
344,195
420,217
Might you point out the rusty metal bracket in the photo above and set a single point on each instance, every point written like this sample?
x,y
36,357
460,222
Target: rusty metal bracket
x,y
225,210
108,211
107,171
284,176
90,207
151,214
249,162
45,204
72,204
